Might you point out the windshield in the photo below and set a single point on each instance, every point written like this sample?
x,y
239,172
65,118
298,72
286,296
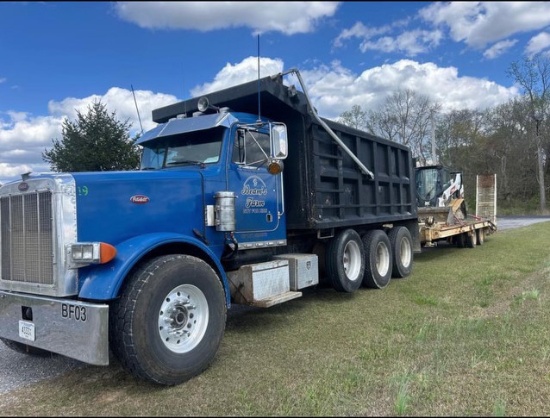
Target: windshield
x,y
199,147
430,183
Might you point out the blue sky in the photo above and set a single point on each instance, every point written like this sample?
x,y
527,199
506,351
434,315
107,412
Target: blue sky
x,y
58,57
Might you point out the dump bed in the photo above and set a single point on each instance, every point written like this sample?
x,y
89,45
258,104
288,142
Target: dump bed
x,y
323,185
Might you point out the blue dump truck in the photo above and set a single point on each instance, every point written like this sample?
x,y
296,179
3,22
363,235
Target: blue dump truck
x,y
244,196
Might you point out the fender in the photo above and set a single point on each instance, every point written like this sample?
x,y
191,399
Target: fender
x,y
103,282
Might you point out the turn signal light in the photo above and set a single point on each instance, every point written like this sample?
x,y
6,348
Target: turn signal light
x,y
106,252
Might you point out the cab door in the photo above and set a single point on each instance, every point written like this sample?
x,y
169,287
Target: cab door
x,y
258,194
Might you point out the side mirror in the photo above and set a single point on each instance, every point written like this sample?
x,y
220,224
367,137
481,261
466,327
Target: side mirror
x,y
279,141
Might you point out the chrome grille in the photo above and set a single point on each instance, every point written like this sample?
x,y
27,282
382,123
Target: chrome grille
x,y
27,238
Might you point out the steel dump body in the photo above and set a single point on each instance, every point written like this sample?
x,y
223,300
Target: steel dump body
x,y
323,186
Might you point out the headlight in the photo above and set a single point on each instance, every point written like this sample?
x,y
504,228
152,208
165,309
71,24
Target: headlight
x,y
81,254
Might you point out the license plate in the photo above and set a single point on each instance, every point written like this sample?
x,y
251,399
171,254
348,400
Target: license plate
x,y
26,330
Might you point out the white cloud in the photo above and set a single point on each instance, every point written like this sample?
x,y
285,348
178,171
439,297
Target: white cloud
x,y
120,101
335,90
233,74
280,16
10,172
359,30
538,43
410,43
3,80
481,23
499,48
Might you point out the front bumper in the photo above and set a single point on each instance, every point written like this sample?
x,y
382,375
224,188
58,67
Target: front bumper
x,y
74,329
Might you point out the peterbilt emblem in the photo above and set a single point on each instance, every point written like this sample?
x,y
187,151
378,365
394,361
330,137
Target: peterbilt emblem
x,y
139,199
23,187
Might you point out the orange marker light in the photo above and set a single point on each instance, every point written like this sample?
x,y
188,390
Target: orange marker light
x,y
106,252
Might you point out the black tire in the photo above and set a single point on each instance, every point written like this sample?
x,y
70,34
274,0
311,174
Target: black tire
x,y
345,261
460,240
168,323
378,256
480,236
26,349
471,239
402,250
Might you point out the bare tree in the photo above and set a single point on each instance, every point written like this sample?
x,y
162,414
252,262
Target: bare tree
x,y
533,75
406,117
355,118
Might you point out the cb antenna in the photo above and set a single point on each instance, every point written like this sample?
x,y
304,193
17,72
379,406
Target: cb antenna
x,y
139,117
259,113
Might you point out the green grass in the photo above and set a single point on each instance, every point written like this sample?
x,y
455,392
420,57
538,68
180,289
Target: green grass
x,y
465,335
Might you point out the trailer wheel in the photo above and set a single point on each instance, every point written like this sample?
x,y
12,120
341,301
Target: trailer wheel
x,y
480,236
26,349
402,249
471,239
460,240
378,256
169,320
345,261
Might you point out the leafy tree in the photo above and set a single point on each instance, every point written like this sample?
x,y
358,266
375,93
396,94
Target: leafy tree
x,y
533,76
511,153
96,141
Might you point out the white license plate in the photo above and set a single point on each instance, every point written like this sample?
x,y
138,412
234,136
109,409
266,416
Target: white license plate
x,y
26,330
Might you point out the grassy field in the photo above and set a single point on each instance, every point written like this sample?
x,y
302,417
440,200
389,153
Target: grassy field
x,y
465,334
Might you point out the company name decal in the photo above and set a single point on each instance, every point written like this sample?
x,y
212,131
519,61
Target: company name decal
x,y
254,186
139,199
255,190
23,187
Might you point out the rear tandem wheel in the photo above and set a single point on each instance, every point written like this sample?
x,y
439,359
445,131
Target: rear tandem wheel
x,y
378,256
480,236
471,238
345,261
402,249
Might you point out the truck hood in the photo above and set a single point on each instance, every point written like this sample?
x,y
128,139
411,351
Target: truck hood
x,y
115,206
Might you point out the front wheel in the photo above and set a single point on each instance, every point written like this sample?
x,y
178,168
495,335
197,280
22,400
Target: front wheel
x,y
169,321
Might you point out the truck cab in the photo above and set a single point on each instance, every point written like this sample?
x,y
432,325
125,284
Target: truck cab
x,y
240,163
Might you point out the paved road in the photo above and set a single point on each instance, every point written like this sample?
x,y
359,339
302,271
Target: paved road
x,y
508,222
17,370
